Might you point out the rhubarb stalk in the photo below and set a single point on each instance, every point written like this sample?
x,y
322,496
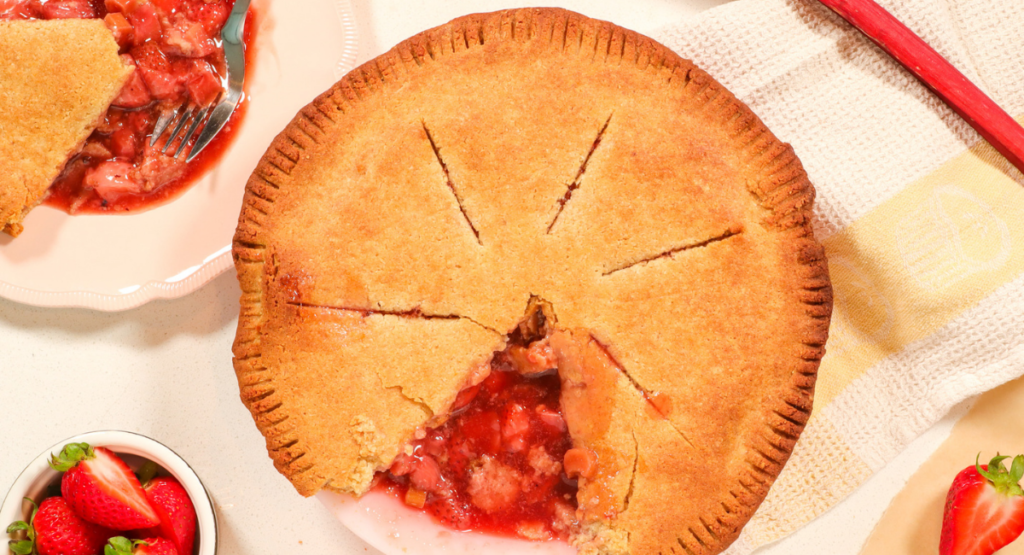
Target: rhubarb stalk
x,y
966,99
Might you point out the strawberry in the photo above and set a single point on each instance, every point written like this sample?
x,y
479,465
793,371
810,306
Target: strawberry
x,y
100,488
54,530
177,514
150,546
984,508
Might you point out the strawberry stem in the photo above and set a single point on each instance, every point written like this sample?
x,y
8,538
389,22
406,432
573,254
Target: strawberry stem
x,y
1006,483
27,545
120,545
72,454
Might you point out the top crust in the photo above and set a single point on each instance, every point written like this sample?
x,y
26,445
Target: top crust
x,y
59,77
403,222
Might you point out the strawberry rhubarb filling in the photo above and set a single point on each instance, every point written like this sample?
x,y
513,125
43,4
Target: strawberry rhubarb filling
x,y
531,447
503,461
178,56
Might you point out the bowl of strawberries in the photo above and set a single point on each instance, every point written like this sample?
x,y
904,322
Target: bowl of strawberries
x,y
109,493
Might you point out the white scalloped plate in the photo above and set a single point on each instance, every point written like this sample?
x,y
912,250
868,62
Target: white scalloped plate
x,y
119,262
390,526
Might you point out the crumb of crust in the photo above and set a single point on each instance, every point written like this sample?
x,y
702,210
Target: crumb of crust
x,y
367,436
534,531
371,442
599,539
493,485
360,478
539,459
14,229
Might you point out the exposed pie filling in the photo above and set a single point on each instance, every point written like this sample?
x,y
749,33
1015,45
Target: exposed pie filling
x,y
503,461
176,49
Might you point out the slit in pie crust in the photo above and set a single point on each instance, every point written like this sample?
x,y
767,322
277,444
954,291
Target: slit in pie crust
x,y
401,226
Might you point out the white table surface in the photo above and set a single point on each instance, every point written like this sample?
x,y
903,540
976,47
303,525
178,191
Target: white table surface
x,y
164,369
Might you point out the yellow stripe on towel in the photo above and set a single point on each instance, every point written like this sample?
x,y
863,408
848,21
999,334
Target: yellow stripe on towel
x,y
920,259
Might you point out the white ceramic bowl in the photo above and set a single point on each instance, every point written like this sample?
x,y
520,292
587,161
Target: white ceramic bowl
x,y
134,449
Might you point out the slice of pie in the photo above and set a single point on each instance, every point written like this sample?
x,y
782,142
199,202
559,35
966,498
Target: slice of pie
x,y
527,192
59,77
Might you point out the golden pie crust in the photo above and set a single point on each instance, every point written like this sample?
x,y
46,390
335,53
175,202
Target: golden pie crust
x,y
59,77
401,225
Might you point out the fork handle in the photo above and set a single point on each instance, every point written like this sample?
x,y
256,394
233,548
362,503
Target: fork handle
x,y
966,99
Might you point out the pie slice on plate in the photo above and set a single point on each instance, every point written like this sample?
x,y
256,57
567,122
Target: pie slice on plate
x,y
535,191
59,77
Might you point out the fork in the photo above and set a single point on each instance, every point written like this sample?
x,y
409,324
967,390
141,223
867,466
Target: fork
x,y
234,57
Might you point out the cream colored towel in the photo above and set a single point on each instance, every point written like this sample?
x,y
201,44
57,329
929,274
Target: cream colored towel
x,y
922,221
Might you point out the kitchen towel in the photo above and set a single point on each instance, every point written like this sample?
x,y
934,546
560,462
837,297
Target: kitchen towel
x,y
922,222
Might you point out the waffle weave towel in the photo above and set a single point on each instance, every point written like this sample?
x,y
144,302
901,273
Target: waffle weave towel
x,y
922,221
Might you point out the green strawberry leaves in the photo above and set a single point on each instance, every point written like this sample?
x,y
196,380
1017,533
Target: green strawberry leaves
x,y
120,545
27,545
72,454
1006,483
18,526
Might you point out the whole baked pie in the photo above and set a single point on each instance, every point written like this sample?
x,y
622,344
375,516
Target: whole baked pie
x,y
522,198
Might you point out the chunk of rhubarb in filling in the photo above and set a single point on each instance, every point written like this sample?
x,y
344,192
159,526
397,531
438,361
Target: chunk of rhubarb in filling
x,y
496,465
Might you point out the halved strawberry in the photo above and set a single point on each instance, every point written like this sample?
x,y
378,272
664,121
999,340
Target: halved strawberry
x,y
984,508
53,529
100,488
177,514
149,546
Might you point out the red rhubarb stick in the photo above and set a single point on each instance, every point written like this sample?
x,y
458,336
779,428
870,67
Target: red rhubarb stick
x,y
977,109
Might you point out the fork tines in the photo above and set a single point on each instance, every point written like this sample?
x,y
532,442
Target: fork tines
x,y
180,117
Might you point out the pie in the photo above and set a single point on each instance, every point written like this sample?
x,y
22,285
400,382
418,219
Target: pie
x,y
515,194
68,72
171,57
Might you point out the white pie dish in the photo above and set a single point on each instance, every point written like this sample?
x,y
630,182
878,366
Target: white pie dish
x,y
116,263
396,529
37,477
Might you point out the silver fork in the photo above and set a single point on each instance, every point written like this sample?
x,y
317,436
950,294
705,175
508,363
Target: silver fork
x,y
234,57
